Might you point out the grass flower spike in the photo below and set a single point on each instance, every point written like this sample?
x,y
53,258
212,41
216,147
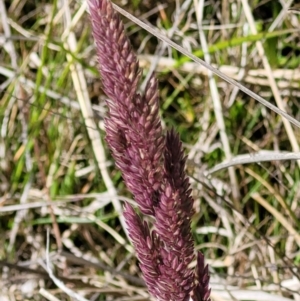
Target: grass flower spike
x,y
152,166
133,127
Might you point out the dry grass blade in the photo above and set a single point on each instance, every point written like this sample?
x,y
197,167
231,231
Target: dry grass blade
x,y
162,37
263,156
279,217
217,104
273,85
47,295
58,282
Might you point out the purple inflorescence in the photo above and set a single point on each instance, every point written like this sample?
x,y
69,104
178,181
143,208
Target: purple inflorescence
x,y
152,165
